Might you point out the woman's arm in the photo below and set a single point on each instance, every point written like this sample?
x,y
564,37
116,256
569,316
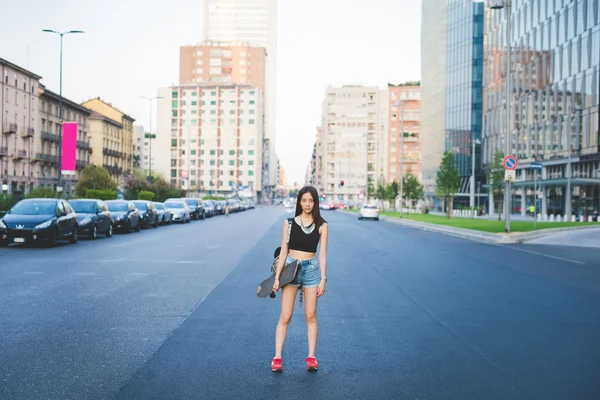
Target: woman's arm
x,y
323,250
284,250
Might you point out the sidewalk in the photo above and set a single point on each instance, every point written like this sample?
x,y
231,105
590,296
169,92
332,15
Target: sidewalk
x,y
577,238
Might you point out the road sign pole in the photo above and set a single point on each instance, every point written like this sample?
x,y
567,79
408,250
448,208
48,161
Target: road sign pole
x,y
534,198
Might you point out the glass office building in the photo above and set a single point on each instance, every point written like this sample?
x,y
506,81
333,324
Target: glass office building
x,y
553,102
464,77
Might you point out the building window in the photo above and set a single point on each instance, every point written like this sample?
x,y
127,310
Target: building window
x,y
173,173
173,142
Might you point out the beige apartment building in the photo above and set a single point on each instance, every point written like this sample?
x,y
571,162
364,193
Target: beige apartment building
x,y
353,141
46,144
18,120
222,63
410,94
112,139
209,138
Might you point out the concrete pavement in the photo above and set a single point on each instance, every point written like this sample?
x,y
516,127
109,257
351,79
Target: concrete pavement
x,y
408,314
577,238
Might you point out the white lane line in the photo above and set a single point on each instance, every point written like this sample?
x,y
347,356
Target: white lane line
x,y
543,255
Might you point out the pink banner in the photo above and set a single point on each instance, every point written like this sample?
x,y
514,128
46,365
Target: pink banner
x,y
69,147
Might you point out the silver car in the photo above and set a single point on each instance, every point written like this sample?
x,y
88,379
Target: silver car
x,y
368,211
180,210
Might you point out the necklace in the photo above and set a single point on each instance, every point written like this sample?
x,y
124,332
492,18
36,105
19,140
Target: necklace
x,y
307,229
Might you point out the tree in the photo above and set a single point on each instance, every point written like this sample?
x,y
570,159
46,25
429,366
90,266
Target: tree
x,y
447,180
495,177
392,190
370,188
380,193
412,188
91,174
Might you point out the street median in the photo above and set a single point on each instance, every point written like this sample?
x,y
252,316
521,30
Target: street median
x,y
481,235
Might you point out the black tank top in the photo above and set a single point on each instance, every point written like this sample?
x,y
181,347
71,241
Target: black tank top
x,y
301,241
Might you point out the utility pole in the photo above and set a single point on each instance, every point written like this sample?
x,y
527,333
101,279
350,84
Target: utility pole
x,y
150,136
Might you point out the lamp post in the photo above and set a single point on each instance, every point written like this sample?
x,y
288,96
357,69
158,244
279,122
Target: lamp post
x,y
149,136
472,185
400,103
60,118
568,205
498,5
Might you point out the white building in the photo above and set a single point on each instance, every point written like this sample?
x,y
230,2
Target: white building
x,y
354,135
141,150
255,22
209,138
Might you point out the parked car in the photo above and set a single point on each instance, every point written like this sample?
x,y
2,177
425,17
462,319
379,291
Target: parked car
x,y
181,211
148,213
219,207
165,216
36,220
126,217
196,208
368,211
209,208
93,217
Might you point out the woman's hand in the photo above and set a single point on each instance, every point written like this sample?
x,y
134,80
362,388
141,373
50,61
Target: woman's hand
x,y
276,285
321,288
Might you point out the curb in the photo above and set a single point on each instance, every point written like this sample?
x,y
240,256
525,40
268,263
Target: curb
x,y
479,236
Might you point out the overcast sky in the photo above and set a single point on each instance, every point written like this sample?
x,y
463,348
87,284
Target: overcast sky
x,y
131,48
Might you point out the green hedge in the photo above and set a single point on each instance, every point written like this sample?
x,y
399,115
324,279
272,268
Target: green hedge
x,y
101,194
6,202
145,195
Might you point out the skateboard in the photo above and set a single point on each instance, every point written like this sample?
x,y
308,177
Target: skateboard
x,y
287,275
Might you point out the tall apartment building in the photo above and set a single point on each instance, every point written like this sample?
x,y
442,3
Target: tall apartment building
x,y
554,101
313,173
409,116
353,141
434,40
464,93
222,63
214,138
141,159
254,22
18,120
46,144
112,138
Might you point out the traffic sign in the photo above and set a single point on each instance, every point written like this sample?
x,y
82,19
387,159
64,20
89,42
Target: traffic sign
x,y
536,166
510,162
510,175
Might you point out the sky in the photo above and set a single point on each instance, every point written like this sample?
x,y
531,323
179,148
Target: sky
x,y
131,48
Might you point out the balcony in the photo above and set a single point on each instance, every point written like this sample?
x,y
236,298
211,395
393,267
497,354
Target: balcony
x,y
113,170
47,158
80,164
83,145
28,133
9,129
51,137
3,151
20,155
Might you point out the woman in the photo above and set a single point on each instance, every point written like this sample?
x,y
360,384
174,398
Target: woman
x,y
308,229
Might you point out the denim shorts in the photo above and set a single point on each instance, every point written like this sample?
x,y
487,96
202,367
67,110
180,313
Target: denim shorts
x,y
309,273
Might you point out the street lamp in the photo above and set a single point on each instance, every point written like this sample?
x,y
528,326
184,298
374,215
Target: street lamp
x,y
498,5
400,103
472,199
60,119
150,137
568,205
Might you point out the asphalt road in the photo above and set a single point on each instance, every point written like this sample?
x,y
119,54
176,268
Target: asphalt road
x,y
172,313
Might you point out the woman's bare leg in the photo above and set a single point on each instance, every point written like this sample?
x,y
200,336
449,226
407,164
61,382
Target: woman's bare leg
x,y
288,297
310,312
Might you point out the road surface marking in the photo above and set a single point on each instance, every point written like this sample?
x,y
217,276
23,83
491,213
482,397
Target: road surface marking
x,y
545,255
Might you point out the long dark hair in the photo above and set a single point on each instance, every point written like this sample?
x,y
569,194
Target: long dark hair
x,y
316,211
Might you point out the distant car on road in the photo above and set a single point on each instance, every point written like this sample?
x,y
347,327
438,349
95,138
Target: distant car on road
x,y
93,217
369,211
35,220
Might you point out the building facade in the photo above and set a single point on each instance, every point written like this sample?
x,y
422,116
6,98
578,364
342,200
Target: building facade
x,y
352,141
19,95
214,136
554,92
46,144
112,139
464,89
222,63
254,22
141,160
410,94
433,92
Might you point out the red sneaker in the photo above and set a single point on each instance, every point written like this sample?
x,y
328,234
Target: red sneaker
x,y
276,365
311,364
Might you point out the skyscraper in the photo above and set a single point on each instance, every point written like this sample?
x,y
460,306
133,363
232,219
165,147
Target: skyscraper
x,y
254,22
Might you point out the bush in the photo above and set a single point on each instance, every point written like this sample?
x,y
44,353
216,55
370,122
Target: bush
x,y
145,195
6,202
41,192
101,194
